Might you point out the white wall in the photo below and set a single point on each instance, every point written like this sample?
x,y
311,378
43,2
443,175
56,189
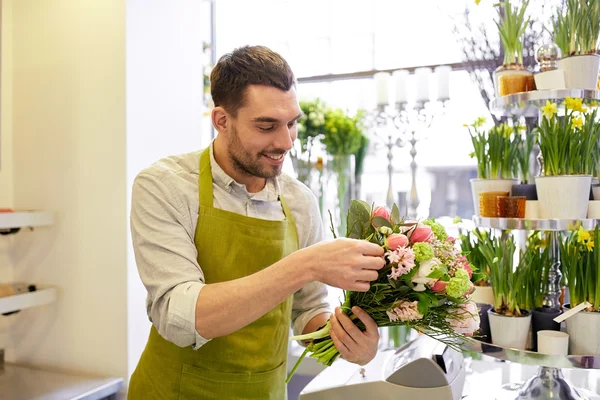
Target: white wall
x,y
69,157
164,108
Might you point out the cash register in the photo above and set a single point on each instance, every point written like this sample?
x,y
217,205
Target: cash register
x,y
423,369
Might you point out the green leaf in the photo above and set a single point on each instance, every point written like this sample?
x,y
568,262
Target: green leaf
x,y
395,215
378,222
358,220
439,273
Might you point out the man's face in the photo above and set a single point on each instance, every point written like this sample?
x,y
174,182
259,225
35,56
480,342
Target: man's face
x,y
263,131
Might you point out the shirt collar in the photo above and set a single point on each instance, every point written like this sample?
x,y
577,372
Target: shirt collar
x,y
270,192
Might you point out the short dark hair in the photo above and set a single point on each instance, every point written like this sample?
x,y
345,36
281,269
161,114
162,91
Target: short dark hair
x,y
248,65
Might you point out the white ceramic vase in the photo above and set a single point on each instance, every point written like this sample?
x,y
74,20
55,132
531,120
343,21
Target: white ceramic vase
x,y
584,333
564,197
509,332
596,192
581,72
482,295
479,185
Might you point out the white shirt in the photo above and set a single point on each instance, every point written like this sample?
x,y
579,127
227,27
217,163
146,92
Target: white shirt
x,y
164,214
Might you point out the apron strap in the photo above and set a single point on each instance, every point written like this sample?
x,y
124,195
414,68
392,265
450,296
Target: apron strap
x,y
205,181
291,222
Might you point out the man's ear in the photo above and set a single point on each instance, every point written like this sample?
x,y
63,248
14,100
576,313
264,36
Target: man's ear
x,y
220,119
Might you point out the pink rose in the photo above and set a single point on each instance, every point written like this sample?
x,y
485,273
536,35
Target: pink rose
x,y
451,239
439,287
396,240
469,270
471,290
422,233
382,212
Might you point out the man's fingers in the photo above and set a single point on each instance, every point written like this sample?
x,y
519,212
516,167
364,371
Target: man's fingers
x,y
337,342
370,325
371,249
347,324
372,262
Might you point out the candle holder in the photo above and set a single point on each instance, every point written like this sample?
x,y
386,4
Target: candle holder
x,y
409,123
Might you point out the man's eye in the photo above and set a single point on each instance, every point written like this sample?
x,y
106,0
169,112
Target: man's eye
x,y
292,124
266,128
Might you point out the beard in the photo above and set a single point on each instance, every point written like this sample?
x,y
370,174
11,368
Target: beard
x,y
245,162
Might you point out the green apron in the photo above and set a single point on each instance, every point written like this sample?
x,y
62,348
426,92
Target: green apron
x,y
247,364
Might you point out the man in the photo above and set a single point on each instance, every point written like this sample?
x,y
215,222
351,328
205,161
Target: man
x,y
231,252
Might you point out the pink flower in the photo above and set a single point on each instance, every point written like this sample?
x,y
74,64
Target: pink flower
x,y
451,239
465,319
439,287
404,311
382,212
422,233
471,290
405,260
396,240
469,270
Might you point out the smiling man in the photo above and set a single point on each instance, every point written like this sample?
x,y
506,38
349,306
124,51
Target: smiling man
x,y
231,250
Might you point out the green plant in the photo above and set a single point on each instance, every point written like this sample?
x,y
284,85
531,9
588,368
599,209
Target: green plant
x,y
577,28
469,248
312,124
581,261
523,143
569,143
511,26
507,285
532,269
494,150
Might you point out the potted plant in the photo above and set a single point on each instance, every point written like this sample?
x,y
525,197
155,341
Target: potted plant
x,y
495,159
576,33
580,256
568,146
524,143
512,77
310,129
343,137
509,320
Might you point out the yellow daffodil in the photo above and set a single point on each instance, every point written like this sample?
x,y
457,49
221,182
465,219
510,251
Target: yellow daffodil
x,y
465,125
479,122
590,245
593,104
574,104
582,235
477,2
577,123
522,128
549,109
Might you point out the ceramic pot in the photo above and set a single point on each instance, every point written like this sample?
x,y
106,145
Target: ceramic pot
x,y
527,190
509,332
581,72
584,333
564,196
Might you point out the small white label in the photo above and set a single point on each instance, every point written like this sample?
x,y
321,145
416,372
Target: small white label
x,y
572,312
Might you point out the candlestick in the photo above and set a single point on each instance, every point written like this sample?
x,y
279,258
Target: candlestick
x,y
443,81
381,84
401,80
422,77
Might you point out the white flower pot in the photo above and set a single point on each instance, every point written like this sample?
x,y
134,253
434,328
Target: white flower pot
x,y
482,295
563,197
596,192
581,72
509,332
584,333
479,185
549,80
593,209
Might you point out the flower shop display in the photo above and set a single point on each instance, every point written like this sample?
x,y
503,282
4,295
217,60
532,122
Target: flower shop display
x,y
496,159
310,128
424,285
524,141
576,31
512,77
569,146
580,257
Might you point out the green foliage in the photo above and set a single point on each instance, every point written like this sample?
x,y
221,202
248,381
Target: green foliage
x,y
343,133
511,26
496,150
577,27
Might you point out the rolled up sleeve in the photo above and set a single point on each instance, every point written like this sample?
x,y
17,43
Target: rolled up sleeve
x,y
166,258
311,300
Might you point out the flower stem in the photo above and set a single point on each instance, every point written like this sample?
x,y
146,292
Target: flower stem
x,y
289,377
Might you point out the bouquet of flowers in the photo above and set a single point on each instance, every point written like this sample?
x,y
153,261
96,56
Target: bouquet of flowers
x,y
424,285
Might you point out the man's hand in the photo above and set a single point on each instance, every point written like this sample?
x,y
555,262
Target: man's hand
x,y
353,344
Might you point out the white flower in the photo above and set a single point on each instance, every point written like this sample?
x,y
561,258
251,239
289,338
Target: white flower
x,y
425,268
386,230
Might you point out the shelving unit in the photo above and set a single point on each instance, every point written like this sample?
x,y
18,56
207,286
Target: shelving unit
x,y
24,383
25,219
40,297
528,104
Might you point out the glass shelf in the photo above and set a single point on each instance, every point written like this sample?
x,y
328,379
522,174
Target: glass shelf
x,y
530,357
535,224
528,104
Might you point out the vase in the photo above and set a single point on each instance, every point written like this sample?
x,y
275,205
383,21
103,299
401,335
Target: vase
x,y
563,197
584,333
542,319
581,71
340,184
513,78
509,332
479,185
